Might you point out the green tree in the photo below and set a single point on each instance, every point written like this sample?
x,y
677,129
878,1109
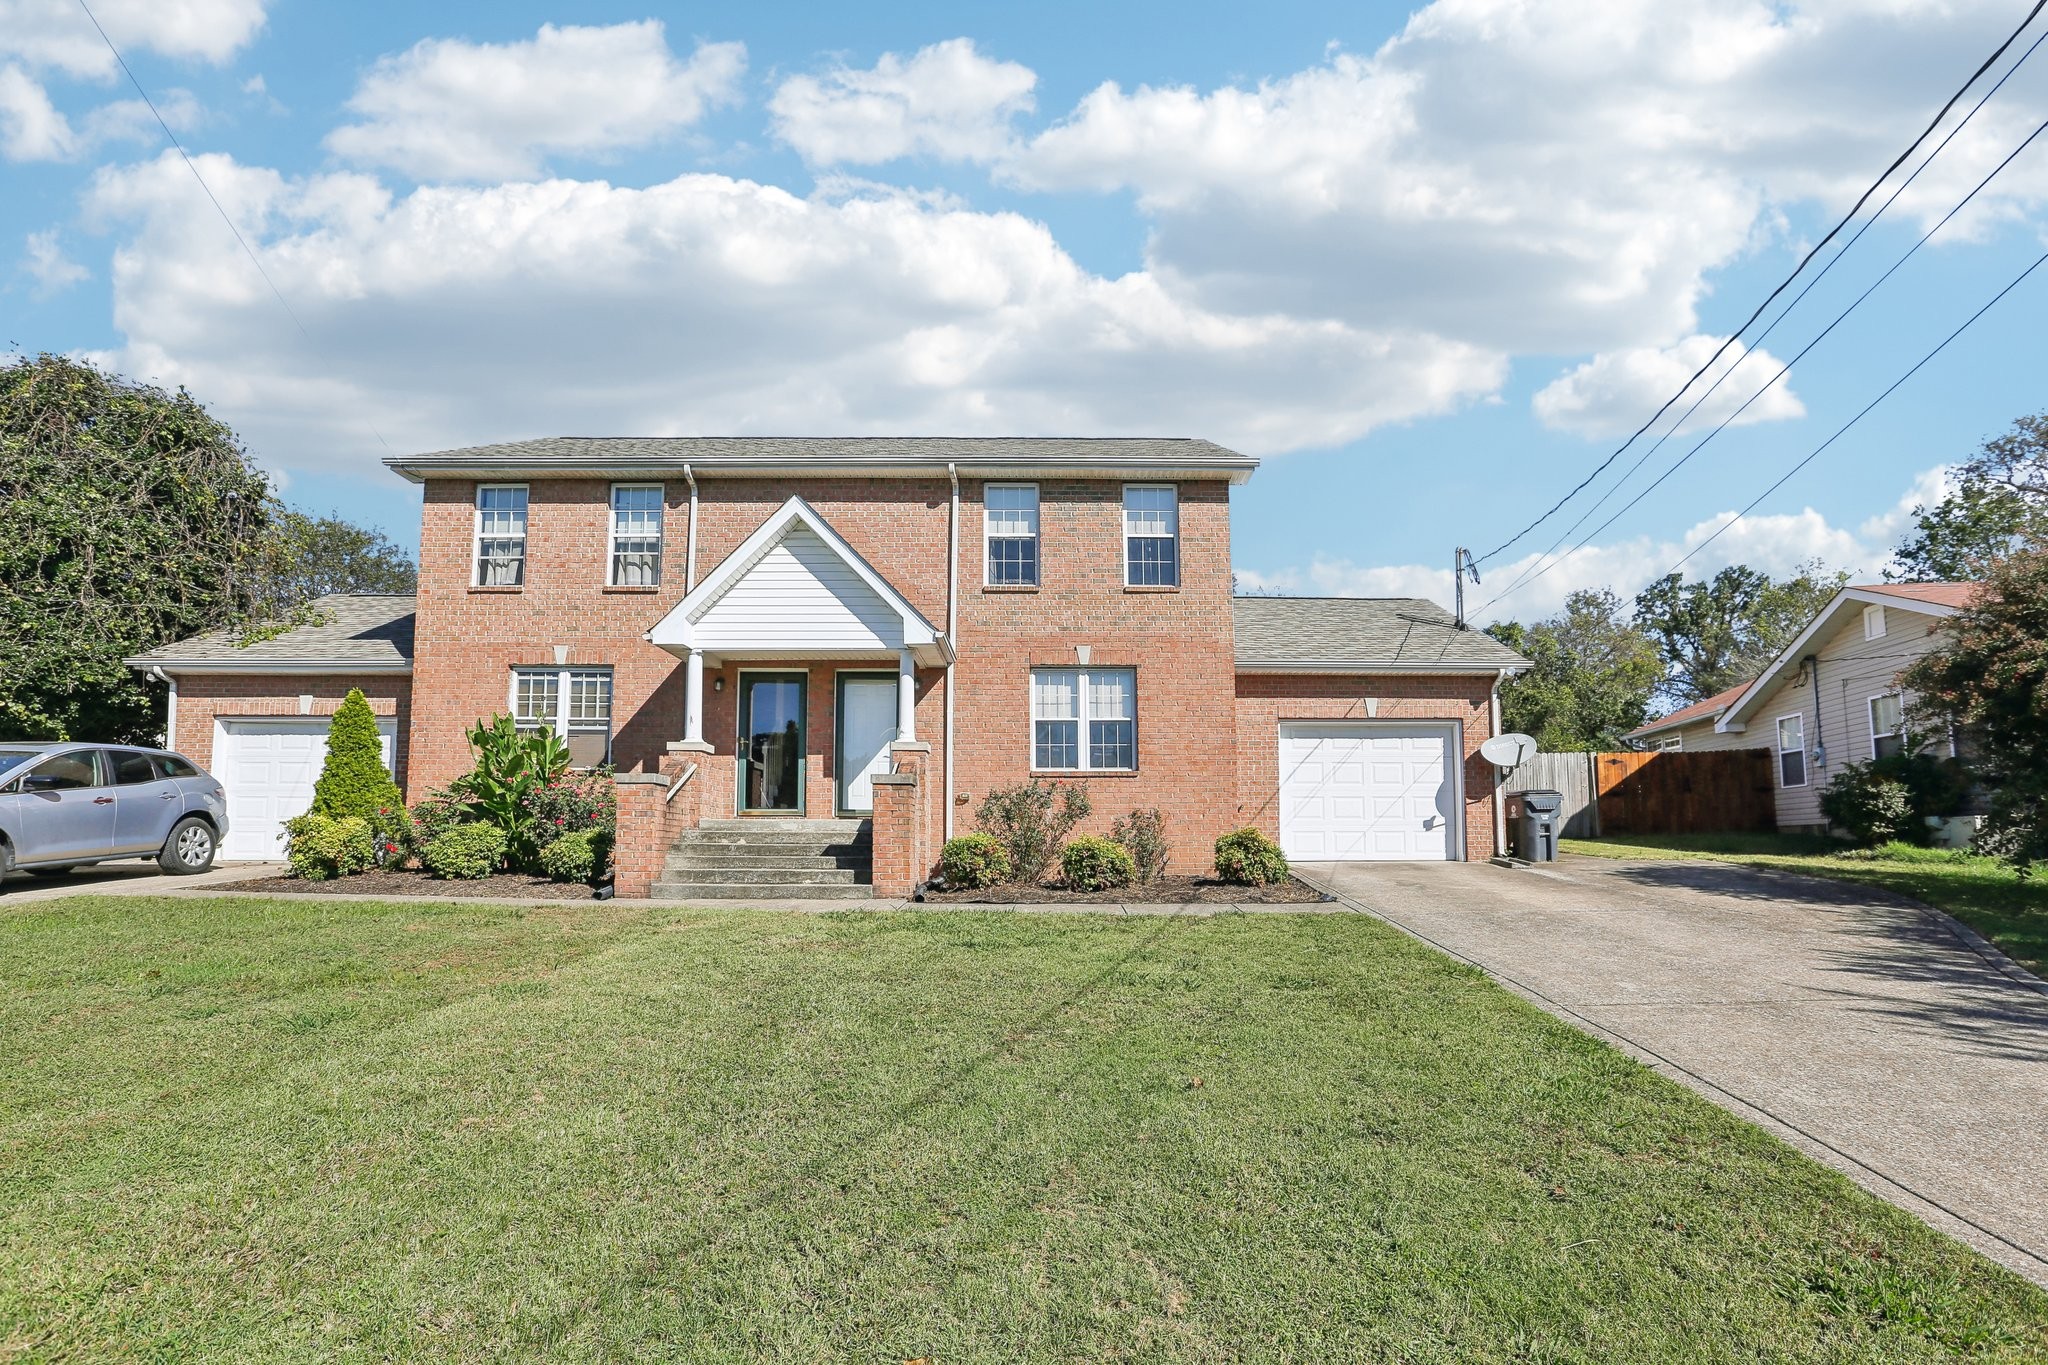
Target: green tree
x,y
305,557
1999,502
354,781
1713,634
1591,678
1989,678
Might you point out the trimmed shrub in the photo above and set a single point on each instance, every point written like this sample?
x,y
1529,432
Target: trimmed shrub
x,y
1893,798
1033,820
571,857
976,860
319,846
465,852
439,811
354,781
1143,833
1249,858
1093,863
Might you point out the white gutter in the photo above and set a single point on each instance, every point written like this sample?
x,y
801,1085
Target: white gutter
x,y
952,628
690,564
1378,666
419,470
1500,809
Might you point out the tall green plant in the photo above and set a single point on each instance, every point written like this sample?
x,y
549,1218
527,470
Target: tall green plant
x,y
512,765
354,783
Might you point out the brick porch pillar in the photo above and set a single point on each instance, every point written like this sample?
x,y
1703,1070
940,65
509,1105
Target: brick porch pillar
x,y
650,818
902,834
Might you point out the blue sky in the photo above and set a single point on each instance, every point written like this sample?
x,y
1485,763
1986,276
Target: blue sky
x,y
1429,264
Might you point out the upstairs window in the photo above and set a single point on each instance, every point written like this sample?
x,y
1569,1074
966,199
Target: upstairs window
x,y
1887,726
1011,517
636,535
1084,719
1792,751
500,535
575,703
1873,623
1151,536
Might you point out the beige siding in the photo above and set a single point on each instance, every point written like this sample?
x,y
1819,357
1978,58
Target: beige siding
x,y
1699,738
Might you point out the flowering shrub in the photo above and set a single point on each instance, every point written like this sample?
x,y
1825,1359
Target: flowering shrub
x,y
574,803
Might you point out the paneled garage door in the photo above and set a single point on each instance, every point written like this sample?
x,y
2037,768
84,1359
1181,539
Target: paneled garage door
x,y
268,767
1353,791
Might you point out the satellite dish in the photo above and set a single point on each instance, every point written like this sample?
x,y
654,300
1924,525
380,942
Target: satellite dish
x,y
1508,751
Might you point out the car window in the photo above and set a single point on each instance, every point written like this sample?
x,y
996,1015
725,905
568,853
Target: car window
x,y
130,767
14,758
75,769
174,766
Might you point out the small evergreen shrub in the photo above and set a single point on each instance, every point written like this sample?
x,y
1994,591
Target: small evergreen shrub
x,y
976,861
1093,863
1033,820
465,852
1142,832
571,857
354,781
1249,858
319,846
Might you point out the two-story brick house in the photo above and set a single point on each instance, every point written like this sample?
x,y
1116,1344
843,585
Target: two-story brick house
x,y
874,629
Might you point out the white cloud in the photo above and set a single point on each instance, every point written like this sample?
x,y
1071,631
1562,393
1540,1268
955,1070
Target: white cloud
x,y
57,34
1615,392
44,261
455,315
31,128
447,109
946,101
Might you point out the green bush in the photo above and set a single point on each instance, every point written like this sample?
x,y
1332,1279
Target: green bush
x,y
572,857
1249,858
976,861
319,846
465,852
354,781
512,767
1894,798
1143,833
394,836
439,811
573,803
1033,820
1093,863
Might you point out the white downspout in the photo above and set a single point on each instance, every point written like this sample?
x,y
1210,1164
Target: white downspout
x,y
952,628
1500,811
690,563
170,708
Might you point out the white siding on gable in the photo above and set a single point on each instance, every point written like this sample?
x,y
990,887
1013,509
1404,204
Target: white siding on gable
x,y
802,595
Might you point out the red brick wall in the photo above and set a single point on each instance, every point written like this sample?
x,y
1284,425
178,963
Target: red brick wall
x,y
1264,700
207,697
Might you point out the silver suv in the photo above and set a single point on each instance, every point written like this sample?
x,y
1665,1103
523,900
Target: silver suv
x,y
62,805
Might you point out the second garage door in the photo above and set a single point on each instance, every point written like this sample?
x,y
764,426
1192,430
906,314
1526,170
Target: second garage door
x,y
268,767
1353,791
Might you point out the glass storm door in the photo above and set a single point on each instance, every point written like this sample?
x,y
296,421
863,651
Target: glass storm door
x,y
771,743
867,727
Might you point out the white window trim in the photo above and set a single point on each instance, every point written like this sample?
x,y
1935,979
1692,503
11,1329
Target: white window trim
x,y
1668,744
611,540
1870,714
1081,745
1873,616
1124,536
476,535
1778,751
562,673
1037,536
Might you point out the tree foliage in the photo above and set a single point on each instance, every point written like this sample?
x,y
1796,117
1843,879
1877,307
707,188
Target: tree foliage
x,y
306,557
354,780
1713,634
1999,503
1592,676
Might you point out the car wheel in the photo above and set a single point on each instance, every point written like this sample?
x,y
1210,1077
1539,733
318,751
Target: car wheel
x,y
63,871
189,850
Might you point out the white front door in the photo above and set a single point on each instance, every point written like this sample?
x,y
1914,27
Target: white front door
x,y
268,767
867,727
1353,791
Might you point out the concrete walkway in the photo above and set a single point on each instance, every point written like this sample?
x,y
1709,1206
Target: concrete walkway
x,y
1873,1033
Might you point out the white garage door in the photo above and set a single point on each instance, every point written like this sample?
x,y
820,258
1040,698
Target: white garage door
x,y
268,767
1353,791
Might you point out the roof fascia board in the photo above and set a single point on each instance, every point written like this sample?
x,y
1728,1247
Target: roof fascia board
x,y
293,666
1371,666
1730,722
419,470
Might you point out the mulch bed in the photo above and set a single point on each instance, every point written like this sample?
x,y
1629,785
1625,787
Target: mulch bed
x,y
1165,891
391,882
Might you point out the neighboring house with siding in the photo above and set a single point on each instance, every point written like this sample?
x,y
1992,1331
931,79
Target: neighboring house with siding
x,y
1831,698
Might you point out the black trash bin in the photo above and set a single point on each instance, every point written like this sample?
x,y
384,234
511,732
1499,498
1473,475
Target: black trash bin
x,y
1536,826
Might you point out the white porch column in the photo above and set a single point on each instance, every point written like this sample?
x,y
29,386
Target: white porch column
x,y
693,698
906,697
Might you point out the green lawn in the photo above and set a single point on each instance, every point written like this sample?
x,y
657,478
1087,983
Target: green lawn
x,y
250,1129
1981,892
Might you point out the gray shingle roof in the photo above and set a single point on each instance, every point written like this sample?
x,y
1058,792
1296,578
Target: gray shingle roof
x,y
366,630
776,453
1358,631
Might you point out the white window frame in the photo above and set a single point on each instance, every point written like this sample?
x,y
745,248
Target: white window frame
x,y
989,538
1083,693
1873,622
614,536
476,540
1805,759
1870,711
1668,744
564,679
1172,537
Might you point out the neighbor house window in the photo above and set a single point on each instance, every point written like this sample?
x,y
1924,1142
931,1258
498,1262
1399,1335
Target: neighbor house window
x,y
1792,751
1084,719
576,703
1011,517
500,535
1669,744
1873,623
636,535
1887,726
1151,536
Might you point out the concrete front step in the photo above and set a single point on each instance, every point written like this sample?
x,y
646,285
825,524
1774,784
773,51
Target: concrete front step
x,y
769,876
725,855
741,891
825,829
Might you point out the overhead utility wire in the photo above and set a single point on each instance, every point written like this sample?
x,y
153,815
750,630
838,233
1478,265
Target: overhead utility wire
x,y
1537,572
1854,209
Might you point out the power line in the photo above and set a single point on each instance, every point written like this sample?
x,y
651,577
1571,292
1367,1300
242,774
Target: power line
x,y
1854,209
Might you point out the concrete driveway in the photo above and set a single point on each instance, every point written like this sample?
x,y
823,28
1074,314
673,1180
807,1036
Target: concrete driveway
x,y
1863,1028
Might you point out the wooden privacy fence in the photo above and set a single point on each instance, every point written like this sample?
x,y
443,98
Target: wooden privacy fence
x,y
1656,793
